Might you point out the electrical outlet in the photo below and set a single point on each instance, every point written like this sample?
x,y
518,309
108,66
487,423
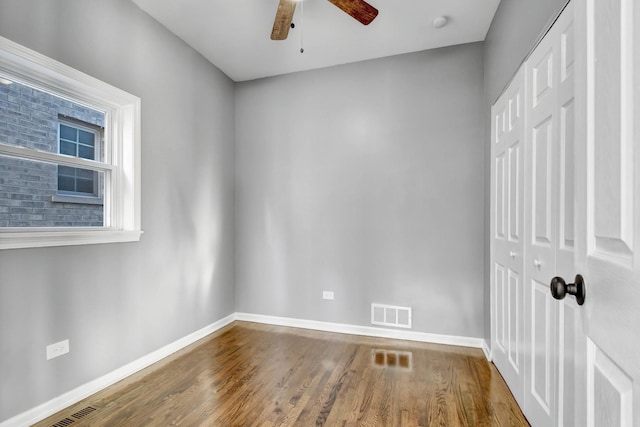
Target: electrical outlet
x,y
327,295
57,349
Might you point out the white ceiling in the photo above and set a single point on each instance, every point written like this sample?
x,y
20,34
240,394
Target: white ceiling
x,y
235,34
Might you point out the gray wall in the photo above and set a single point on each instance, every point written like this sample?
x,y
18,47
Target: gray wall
x,y
119,302
513,33
367,180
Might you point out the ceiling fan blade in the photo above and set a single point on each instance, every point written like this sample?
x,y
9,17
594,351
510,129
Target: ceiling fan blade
x,y
358,9
282,23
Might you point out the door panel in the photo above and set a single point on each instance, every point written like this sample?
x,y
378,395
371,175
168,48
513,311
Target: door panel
x,y
543,351
500,194
515,317
566,232
542,75
515,176
540,230
555,332
571,336
507,231
501,309
567,51
542,207
611,391
572,383
608,205
612,142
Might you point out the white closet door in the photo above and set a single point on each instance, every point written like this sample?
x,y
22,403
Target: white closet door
x,y
608,203
554,330
507,183
541,192
571,337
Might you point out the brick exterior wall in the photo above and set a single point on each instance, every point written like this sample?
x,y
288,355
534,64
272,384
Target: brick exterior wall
x,y
29,118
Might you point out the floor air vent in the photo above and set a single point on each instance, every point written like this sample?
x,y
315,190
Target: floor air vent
x,y
391,315
83,412
78,415
63,423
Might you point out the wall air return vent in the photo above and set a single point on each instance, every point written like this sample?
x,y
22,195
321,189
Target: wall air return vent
x,y
390,315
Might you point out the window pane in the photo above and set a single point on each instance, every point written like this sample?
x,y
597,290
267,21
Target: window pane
x,y
31,118
76,180
68,133
66,170
28,190
85,173
66,183
86,137
67,148
85,152
84,186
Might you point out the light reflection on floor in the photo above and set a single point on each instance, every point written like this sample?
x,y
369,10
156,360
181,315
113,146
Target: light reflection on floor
x,y
392,359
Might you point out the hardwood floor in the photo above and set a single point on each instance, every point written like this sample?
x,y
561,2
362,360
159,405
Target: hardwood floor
x,y
257,375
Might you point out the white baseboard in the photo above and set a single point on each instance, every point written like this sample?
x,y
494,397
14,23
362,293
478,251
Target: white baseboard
x,y
59,403
363,330
487,350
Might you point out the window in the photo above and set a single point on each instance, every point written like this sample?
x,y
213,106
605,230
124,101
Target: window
x,y
84,142
69,155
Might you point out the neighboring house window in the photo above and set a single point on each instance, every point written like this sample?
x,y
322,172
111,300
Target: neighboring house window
x,y
69,155
83,142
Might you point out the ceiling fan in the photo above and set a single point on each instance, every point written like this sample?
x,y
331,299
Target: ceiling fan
x,y
360,10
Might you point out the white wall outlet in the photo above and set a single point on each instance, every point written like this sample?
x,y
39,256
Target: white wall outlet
x,y
327,295
57,349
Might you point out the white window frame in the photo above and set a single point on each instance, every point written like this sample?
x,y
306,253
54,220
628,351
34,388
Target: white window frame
x,y
121,149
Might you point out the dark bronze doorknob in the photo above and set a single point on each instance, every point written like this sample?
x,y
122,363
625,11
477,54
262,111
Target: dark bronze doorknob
x,y
559,288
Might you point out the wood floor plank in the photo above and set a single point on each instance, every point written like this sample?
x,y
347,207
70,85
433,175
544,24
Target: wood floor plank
x,y
259,375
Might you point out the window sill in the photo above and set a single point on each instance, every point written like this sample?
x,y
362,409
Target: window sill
x,y
82,200
20,239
